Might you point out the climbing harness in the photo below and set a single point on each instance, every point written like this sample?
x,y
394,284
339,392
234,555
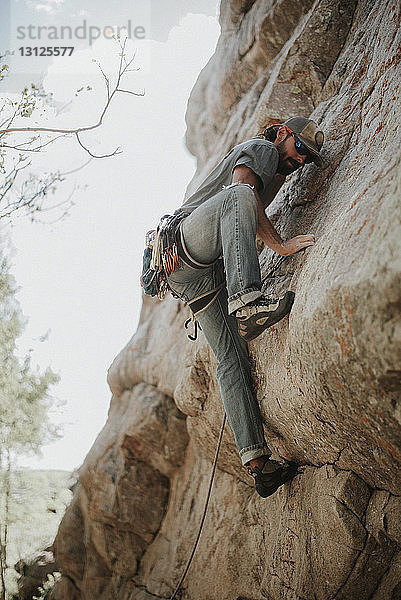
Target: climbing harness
x,y
179,584
184,254
198,305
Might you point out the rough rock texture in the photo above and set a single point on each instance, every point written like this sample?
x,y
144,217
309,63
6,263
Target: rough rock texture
x,y
328,378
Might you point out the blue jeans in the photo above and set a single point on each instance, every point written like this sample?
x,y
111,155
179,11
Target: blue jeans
x,y
221,233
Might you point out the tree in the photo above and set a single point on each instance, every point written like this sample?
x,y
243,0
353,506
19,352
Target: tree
x,y
14,154
24,409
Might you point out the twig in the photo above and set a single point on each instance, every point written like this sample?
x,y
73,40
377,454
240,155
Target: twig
x,y
37,149
116,151
122,69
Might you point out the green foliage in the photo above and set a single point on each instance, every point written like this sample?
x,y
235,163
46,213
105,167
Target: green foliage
x,y
24,427
24,398
52,578
33,96
39,500
3,71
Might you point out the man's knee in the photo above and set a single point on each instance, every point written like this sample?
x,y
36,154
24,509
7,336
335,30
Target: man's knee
x,y
246,192
245,197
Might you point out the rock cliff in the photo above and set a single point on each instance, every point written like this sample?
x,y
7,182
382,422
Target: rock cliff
x,y
328,378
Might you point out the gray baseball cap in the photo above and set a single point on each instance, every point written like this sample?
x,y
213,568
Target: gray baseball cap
x,y
309,134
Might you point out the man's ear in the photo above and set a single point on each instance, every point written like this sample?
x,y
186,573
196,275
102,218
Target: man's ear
x,y
281,134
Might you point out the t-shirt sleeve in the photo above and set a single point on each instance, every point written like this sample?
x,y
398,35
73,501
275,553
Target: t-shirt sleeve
x,y
261,158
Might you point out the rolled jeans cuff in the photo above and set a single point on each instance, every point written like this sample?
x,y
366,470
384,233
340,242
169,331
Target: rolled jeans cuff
x,y
242,299
247,454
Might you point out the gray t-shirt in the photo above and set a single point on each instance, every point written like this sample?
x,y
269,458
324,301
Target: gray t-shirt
x,y
258,154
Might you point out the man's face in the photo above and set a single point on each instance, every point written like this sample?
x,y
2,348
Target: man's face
x,y
289,160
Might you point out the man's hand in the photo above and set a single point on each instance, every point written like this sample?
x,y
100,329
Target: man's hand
x,y
296,244
271,238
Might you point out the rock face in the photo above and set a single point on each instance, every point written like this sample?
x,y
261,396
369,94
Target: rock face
x,y
328,379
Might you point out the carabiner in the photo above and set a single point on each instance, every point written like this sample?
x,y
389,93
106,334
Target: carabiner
x,y
196,326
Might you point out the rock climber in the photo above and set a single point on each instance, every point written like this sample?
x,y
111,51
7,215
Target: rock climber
x,y
218,272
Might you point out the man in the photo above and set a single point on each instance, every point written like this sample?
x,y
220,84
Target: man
x,y
219,274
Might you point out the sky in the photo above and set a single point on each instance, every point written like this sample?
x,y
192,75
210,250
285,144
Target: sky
x,y
78,277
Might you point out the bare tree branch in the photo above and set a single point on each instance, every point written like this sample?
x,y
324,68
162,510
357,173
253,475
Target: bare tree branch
x,y
107,81
34,190
20,148
32,199
122,70
129,92
116,151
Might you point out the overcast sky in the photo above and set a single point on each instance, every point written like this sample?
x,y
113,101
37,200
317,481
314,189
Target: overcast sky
x,y
79,277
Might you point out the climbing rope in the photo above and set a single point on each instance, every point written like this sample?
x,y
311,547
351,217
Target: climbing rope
x,y
179,584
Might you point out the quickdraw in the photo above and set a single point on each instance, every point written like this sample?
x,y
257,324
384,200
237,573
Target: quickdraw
x,y
197,327
170,258
164,255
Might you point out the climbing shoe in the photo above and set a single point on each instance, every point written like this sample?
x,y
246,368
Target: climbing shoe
x,y
271,476
255,317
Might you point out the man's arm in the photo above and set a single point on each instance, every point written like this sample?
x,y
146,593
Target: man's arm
x,y
274,188
266,231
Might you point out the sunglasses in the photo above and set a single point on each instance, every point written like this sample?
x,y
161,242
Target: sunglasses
x,y
300,147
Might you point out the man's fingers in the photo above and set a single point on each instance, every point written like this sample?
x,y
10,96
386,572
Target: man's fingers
x,y
309,237
299,242
307,243
303,241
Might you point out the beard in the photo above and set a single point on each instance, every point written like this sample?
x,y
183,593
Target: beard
x,y
286,165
